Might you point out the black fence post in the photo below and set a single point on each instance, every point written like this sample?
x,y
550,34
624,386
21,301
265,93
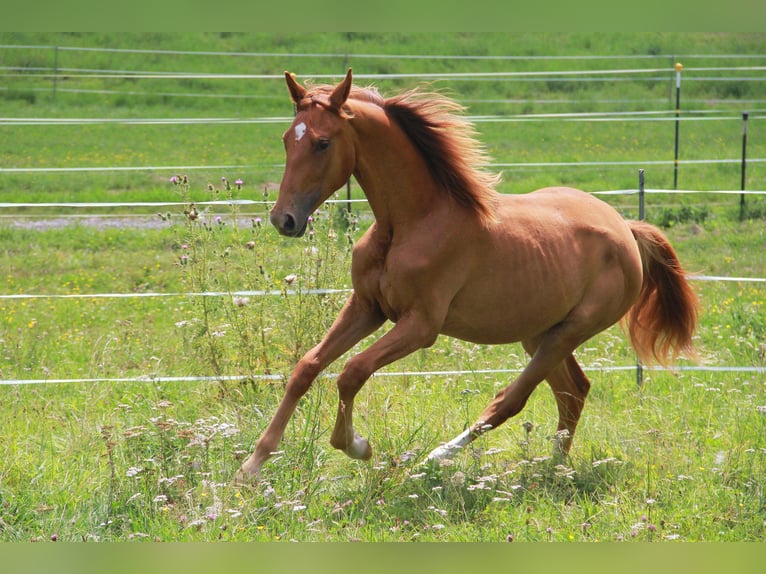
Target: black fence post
x,y
679,67
744,166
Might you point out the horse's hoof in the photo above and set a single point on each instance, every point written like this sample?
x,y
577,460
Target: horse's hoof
x,y
359,448
245,478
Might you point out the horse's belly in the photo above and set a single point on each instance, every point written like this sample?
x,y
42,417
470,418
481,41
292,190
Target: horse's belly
x,y
492,320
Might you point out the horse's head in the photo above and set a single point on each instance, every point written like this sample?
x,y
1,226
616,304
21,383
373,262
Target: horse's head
x,y
320,154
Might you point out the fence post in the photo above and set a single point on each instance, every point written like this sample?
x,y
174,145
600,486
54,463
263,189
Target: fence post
x,y
55,69
641,216
679,67
744,166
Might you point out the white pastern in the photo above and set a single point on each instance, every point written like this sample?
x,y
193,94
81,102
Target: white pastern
x,y
358,448
300,131
452,447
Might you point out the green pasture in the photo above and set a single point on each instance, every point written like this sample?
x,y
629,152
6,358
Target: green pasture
x,y
125,418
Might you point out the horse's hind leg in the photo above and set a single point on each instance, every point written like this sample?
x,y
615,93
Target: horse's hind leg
x,y
570,386
551,360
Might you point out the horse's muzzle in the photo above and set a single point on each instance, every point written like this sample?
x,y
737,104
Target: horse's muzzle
x,y
287,224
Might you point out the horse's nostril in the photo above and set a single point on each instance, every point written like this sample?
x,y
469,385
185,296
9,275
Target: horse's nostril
x,y
288,223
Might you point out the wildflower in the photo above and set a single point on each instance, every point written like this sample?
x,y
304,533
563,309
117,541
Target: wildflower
x,y
133,471
458,479
184,259
191,212
218,220
250,245
160,499
54,537
290,279
239,183
257,222
528,427
241,301
196,523
134,432
226,430
510,538
170,480
175,180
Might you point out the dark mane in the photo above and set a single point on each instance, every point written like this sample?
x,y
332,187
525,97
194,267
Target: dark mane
x,y
447,142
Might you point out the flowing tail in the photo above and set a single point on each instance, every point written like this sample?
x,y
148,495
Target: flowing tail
x,y
662,321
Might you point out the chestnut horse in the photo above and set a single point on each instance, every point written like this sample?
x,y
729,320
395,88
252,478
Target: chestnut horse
x,y
447,254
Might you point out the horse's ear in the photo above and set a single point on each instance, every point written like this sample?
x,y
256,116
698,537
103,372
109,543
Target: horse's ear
x,y
297,92
340,93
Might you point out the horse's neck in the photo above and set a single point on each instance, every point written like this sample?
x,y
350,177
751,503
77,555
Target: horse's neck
x,y
393,175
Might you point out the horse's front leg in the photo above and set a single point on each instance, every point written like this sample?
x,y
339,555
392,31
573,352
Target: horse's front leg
x,y
407,336
356,320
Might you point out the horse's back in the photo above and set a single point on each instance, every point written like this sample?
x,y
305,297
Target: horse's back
x,y
545,253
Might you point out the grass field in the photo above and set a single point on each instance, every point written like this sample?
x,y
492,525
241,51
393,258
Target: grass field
x,y
173,391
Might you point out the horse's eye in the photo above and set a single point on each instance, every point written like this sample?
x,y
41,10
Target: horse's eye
x,y
322,144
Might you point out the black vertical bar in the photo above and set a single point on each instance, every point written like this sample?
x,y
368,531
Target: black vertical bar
x,y
744,166
679,67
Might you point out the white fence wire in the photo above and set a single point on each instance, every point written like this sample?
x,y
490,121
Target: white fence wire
x,y
706,73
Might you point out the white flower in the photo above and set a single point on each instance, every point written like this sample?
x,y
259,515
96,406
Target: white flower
x,y
133,471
